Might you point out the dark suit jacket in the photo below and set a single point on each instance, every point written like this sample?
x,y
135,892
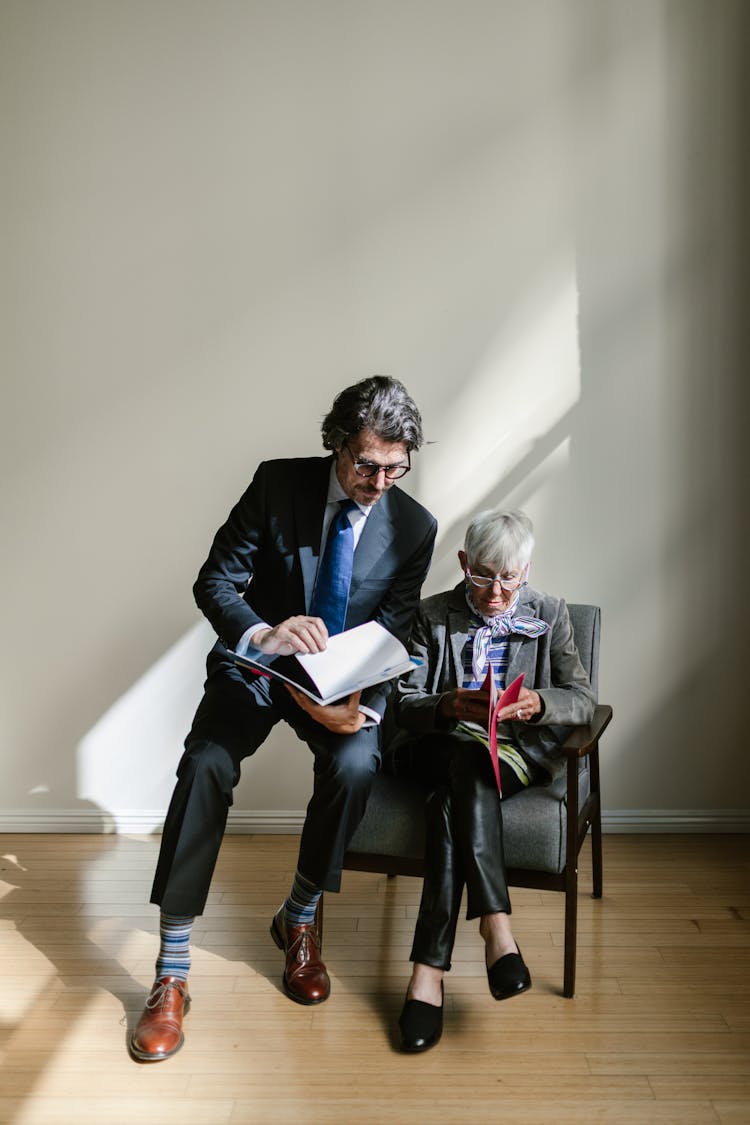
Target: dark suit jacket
x,y
550,664
263,561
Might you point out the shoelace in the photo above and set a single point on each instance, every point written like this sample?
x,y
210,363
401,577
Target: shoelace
x,y
159,996
302,942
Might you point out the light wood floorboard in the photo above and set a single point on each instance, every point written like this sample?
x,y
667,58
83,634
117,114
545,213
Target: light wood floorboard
x,y
659,1030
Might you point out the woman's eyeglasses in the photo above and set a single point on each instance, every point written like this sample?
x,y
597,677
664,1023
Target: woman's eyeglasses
x,y
509,584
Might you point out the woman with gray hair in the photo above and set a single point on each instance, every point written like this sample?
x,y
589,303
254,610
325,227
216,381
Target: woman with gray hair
x,y
491,618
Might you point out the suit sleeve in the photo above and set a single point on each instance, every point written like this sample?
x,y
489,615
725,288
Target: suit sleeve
x,y
398,607
415,698
224,576
570,699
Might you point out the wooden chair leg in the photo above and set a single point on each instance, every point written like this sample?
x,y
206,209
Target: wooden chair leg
x,y
571,931
596,826
571,880
319,920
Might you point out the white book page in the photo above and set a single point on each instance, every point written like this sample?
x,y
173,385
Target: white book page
x,y
363,655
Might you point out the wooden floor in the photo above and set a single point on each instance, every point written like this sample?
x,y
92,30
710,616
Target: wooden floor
x,y
659,1030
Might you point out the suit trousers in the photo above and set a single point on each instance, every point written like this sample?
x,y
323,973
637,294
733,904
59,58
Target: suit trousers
x,y
463,838
233,719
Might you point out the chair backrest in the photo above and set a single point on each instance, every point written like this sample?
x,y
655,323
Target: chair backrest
x,y
586,622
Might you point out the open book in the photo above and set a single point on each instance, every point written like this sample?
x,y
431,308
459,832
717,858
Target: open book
x,y
510,695
355,659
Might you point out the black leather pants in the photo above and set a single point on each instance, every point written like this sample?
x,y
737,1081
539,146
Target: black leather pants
x,y
464,839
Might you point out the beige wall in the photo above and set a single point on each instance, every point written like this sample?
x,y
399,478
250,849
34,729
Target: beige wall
x,y
216,215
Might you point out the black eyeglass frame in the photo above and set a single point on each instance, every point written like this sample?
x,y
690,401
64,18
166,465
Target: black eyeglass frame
x,y
371,469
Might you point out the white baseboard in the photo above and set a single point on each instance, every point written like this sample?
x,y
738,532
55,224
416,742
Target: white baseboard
x,y
282,821
651,821
141,822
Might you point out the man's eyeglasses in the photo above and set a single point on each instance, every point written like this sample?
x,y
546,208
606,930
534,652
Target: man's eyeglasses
x,y
370,469
510,585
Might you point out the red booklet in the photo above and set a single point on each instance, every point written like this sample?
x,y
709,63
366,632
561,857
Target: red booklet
x,y
510,695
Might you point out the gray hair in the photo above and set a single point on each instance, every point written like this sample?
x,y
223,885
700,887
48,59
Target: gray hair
x,y
500,539
380,404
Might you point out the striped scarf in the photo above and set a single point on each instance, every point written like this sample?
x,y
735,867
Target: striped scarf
x,y
491,640
494,628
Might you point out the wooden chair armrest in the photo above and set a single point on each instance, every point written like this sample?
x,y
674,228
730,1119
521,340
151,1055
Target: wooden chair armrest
x,y
582,739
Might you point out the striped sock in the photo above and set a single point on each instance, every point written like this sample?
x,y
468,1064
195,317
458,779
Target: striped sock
x,y
174,951
299,908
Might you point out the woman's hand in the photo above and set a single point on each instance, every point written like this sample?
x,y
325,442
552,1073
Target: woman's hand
x,y
465,706
529,704
341,718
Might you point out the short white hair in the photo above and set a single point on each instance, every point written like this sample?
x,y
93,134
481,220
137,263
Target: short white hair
x,y
504,540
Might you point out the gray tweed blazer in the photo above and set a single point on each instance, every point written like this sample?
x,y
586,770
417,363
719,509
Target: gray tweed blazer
x,y
550,664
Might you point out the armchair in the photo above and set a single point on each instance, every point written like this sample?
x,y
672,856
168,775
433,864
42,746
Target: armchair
x,y
544,827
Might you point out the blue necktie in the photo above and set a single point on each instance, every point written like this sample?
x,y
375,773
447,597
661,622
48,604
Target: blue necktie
x,y
331,593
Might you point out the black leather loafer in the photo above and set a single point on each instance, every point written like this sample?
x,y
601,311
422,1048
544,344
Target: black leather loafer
x,y
508,976
420,1025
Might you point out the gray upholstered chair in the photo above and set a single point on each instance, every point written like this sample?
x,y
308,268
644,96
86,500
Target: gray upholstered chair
x,y
543,827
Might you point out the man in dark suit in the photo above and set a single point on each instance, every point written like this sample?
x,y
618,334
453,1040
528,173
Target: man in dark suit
x,y
315,545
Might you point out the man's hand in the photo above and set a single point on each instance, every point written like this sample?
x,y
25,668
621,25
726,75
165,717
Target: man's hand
x,y
296,634
341,718
465,706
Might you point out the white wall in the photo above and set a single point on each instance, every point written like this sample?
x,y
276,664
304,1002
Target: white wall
x,y
217,215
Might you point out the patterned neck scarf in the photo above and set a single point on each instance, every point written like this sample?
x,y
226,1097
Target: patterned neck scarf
x,y
494,628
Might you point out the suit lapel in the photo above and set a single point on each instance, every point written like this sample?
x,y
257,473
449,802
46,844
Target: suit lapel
x,y
309,508
377,535
520,647
516,658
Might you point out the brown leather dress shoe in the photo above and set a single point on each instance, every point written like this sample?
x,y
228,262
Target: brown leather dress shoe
x,y
305,976
158,1033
